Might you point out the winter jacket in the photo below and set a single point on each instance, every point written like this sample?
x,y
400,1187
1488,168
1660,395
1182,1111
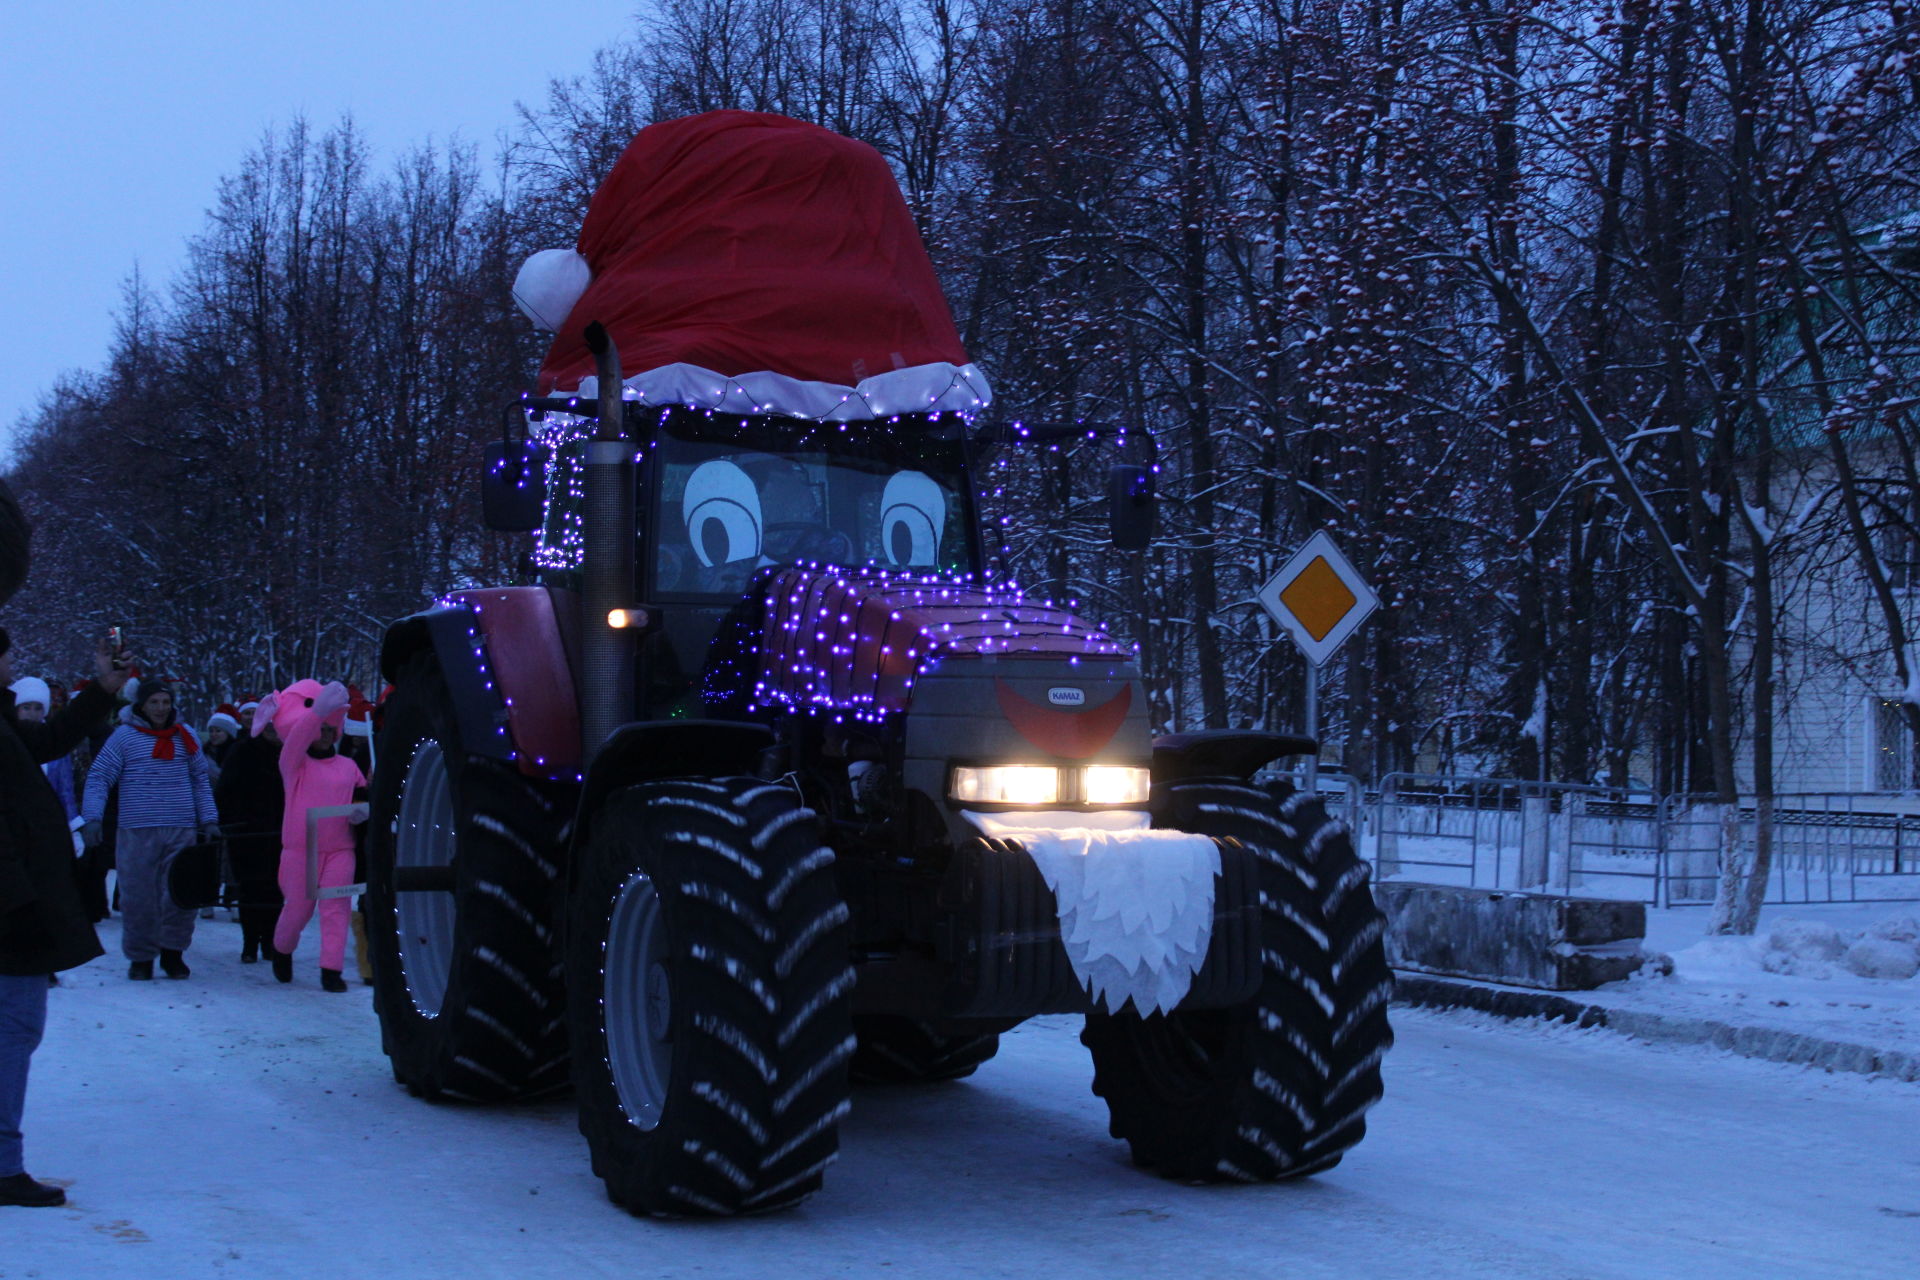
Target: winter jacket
x,y
176,791
249,794
43,925
60,774
252,802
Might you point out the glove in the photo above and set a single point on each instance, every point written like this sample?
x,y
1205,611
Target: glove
x,y
94,834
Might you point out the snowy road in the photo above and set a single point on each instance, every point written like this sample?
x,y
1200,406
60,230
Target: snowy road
x,y
226,1125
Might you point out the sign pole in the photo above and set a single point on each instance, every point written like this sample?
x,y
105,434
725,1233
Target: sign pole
x,y
1318,598
1313,726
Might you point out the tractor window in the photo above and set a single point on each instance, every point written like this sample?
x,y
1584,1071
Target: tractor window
x,y
726,510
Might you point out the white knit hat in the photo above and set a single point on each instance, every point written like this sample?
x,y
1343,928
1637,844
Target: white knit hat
x,y
32,689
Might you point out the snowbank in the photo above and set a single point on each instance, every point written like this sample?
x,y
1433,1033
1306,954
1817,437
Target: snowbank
x,y
1842,971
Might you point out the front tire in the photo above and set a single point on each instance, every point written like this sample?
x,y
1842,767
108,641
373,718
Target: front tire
x,y
467,979
710,992
1278,1087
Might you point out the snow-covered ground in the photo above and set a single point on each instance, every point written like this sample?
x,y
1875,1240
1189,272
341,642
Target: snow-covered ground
x,y
228,1125
1784,977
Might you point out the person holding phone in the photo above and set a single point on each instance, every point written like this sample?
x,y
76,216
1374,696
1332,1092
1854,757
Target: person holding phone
x,y
43,924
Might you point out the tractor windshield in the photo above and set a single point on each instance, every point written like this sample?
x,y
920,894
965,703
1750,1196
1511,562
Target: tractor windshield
x,y
738,497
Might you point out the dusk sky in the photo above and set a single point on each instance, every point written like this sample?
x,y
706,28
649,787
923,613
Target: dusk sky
x,y
118,119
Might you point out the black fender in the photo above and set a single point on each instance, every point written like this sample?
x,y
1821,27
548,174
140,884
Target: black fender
x,y
452,633
649,749
1222,753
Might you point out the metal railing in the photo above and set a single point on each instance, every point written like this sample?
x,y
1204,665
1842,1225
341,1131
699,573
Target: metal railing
x,y
1343,795
1607,842
1827,847
1620,842
1507,833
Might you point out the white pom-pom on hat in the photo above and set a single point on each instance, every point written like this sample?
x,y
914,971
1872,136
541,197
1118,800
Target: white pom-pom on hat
x,y
548,285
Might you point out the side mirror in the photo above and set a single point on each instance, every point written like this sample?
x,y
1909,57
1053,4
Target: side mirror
x,y
513,487
1130,504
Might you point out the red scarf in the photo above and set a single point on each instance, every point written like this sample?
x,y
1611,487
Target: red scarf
x,y
163,740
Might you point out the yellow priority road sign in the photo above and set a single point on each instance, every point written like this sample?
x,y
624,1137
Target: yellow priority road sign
x,y
1319,598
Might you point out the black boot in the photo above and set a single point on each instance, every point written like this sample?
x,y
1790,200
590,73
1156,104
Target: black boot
x,y
330,980
140,970
282,964
24,1191
250,954
174,965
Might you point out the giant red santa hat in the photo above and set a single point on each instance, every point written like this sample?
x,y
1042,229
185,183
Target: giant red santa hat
x,y
755,264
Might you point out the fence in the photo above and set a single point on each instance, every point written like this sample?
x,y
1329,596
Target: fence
x,y
1604,842
1826,847
1344,797
1505,833
1622,843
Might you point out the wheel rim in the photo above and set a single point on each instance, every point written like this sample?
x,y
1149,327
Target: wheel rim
x,y
424,836
638,1006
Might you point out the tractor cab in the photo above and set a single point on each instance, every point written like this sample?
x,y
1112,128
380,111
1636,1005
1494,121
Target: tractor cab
x,y
719,500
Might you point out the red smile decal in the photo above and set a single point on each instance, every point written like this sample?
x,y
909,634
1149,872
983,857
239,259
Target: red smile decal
x,y
1074,734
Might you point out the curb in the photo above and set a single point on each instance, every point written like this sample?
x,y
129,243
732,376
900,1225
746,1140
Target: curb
x,y
1426,991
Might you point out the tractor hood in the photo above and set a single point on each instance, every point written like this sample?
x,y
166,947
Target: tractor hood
x,y
852,642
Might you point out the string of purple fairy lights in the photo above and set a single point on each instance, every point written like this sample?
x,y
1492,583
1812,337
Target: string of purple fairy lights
x,y
850,643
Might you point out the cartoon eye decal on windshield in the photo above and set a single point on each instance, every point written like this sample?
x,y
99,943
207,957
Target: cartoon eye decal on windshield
x,y
913,512
722,509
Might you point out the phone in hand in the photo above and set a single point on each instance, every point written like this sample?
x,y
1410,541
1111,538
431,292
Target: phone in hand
x,y
116,643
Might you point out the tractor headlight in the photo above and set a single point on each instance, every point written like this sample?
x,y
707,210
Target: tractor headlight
x,y
1029,784
1006,784
1115,784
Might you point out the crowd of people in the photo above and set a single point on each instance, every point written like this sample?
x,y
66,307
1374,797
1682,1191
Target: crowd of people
x,y
103,784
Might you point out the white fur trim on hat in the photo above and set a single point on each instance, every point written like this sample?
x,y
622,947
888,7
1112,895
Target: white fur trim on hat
x,y
221,720
32,689
548,285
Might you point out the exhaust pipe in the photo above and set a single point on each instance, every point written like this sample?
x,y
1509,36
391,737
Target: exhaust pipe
x,y
607,658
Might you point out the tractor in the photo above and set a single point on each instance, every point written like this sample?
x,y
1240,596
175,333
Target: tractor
x,y
768,786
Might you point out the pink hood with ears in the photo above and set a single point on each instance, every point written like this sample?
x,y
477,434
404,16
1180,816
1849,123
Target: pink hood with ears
x,y
287,707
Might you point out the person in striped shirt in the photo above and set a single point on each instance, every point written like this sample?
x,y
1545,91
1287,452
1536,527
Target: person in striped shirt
x,y
166,804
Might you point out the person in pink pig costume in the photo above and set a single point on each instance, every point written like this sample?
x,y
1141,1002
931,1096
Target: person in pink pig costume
x,y
308,717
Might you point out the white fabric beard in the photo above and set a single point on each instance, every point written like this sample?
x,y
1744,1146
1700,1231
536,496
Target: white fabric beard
x,y
1135,905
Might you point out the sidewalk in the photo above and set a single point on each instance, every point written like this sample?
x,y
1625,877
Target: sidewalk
x,y
1804,1008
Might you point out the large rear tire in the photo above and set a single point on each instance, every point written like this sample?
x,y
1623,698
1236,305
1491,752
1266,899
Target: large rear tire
x,y
467,980
896,1050
1278,1087
710,992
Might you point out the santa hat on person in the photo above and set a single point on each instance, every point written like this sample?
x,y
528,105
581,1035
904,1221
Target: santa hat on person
x,y
359,715
224,719
32,689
